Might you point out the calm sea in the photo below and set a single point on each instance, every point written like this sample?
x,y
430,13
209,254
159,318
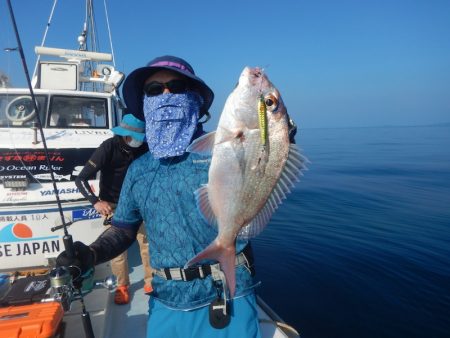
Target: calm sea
x,y
361,247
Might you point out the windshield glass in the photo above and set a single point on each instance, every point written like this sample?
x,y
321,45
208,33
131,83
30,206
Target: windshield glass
x,y
78,112
17,110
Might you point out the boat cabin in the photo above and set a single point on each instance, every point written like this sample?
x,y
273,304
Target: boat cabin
x,y
76,106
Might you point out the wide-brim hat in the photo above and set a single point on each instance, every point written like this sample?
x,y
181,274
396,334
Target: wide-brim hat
x,y
133,86
130,126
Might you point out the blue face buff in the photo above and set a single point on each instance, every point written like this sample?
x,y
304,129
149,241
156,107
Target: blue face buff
x,y
170,122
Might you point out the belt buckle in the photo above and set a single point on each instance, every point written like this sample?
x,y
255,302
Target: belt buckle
x,y
216,272
193,272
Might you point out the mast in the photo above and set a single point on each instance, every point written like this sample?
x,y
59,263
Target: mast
x,y
47,27
87,56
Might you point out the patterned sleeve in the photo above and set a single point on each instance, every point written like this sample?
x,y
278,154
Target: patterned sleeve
x,y
127,214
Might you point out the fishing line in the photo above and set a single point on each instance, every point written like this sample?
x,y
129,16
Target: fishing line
x,y
260,76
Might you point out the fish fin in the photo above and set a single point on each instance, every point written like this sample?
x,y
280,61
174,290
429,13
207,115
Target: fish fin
x,y
258,223
293,168
203,145
296,159
226,257
203,205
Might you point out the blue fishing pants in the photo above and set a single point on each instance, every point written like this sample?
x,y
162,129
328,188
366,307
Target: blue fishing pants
x,y
164,322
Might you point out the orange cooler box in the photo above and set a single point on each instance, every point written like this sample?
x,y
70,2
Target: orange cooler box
x,y
38,320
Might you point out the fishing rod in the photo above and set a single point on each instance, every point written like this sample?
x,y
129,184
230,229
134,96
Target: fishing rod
x,y
67,238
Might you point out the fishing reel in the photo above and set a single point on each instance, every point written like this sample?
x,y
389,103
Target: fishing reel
x,y
61,287
38,296
65,283
65,289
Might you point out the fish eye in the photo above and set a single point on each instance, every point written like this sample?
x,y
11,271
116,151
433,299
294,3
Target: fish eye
x,y
271,102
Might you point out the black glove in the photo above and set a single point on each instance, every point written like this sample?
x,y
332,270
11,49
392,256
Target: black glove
x,y
82,261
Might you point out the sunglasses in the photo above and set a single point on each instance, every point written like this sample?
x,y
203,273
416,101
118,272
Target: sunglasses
x,y
175,86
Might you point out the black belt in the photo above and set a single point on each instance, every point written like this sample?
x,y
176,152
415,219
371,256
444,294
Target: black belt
x,y
204,270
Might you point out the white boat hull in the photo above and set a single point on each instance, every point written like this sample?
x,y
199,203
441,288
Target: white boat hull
x,y
27,239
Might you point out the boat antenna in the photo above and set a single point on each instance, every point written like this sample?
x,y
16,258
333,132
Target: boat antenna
x,y
89,35
92,25
109,34
67,239
45,37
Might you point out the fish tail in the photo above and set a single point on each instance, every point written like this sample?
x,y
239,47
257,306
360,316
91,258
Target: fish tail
x,y
226,257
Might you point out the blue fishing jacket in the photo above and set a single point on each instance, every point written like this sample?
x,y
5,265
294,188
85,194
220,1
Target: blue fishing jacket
x,y
161,193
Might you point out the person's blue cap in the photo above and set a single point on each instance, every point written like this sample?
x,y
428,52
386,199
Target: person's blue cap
x,y
133,86
130,126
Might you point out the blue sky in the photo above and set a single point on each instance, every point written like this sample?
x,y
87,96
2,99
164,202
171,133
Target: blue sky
x,y
337,63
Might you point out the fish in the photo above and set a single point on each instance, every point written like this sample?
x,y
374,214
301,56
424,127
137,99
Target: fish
x,y
253,166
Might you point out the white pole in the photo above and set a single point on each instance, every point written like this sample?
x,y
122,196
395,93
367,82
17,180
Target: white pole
x,y
45,36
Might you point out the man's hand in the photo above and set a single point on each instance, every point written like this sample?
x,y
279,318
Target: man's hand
x,y
82,261
103,208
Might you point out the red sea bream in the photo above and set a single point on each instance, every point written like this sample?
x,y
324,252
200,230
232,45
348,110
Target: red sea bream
x,y
253,166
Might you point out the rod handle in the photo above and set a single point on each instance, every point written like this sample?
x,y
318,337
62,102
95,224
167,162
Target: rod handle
x,y
68,246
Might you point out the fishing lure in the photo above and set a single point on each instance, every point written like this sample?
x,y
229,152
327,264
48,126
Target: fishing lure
x,y
262,117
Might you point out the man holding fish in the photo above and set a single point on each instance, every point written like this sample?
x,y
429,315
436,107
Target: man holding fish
x,y
198,233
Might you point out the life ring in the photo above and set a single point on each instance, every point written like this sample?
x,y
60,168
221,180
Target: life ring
x,y
21,109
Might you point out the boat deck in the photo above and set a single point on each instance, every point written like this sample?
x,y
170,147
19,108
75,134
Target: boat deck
x,y
132,317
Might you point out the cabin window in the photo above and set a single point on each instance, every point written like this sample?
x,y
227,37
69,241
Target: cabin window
x,y
78,112
17,110
117,113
